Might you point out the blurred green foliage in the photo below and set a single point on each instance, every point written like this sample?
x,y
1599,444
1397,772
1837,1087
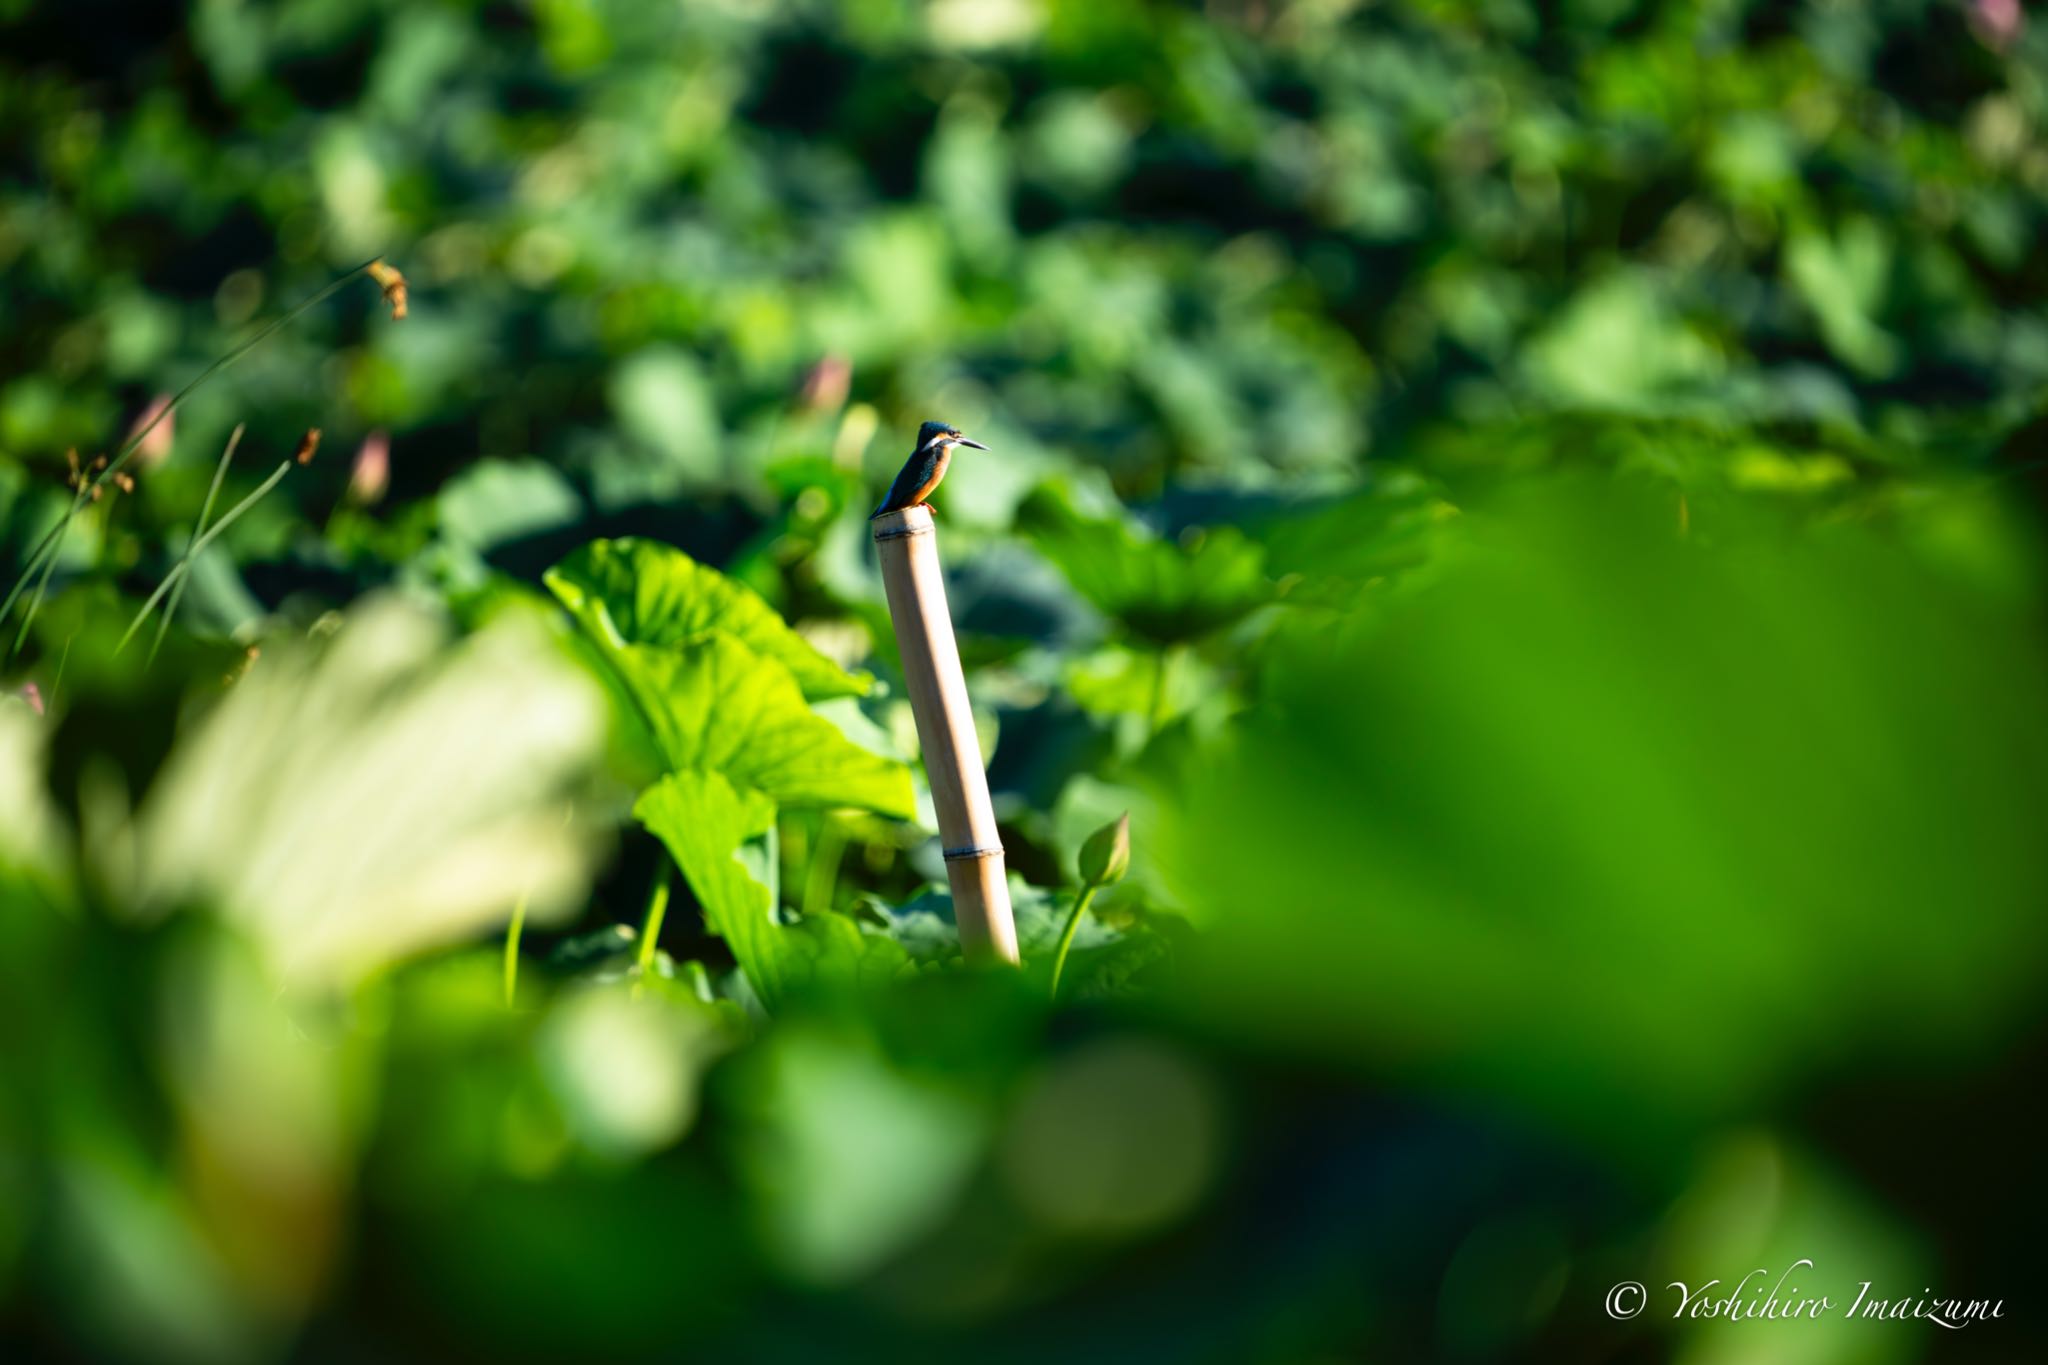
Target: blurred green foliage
x,y
1533,509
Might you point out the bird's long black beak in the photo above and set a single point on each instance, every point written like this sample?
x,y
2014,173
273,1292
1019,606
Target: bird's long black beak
x,y
971,445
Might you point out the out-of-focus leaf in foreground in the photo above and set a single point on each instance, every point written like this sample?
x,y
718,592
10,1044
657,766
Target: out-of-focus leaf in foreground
x,y
624,1064
350,803
851,1158
28,824
1626,826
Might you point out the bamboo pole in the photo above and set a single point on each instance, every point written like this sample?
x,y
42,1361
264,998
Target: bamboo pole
x,y
908,547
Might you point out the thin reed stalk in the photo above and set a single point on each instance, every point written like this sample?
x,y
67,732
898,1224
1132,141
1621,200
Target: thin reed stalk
x,y
56,544
179,571
44,555
220,473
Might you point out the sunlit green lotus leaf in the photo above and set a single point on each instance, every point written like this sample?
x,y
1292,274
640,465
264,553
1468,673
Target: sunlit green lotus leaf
x,y
719,706
641,592
703,819
1165,592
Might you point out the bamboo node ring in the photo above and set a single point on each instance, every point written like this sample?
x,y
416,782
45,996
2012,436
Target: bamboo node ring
x,y
954,855
904,532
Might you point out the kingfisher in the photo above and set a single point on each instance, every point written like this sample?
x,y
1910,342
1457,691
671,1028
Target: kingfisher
x,y
927,465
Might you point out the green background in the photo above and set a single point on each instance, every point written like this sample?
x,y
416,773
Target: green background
x,y
1533,508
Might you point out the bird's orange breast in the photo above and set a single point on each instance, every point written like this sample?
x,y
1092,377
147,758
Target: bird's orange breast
x,y
924,490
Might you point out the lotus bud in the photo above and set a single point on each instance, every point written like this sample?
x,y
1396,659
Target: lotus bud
x,y
1107,854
